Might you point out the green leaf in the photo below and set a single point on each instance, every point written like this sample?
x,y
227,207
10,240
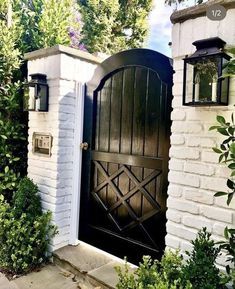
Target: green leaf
x,y
231,130
6,170
223,147
16,159
232,148
3,136
230,184
219,194
231,166
214,127
223,131
221,158
220,119
216,150
230,197
226,232
233,174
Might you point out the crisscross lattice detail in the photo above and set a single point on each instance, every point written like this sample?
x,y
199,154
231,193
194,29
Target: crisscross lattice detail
x,y
124,199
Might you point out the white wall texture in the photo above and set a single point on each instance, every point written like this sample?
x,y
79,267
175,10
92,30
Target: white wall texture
x,y
195,174
58,176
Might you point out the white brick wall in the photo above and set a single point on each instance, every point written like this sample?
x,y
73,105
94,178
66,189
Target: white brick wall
x,y
195,174
55,177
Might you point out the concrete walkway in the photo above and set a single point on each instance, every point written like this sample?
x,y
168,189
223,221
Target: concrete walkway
x,y
50,277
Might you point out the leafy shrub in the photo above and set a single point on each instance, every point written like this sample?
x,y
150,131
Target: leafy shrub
x,y
226,150
26,199
25,232
200,268
229,246
166,274
13,145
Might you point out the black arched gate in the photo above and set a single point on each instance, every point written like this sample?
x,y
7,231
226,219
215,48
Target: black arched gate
x,y
124,176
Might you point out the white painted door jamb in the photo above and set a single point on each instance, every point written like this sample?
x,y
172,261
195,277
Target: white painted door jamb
x,y
77,164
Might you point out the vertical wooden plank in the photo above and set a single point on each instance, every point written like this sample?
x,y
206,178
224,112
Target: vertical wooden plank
x,y
127,110
115,127
139,111
97,129
104,128
153,115
138,133
163,124
115,111
126,127
104,117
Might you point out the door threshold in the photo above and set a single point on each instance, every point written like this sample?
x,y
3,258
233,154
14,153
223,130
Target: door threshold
x,y
94,266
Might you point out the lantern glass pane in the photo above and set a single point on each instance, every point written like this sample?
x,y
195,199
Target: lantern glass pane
x,y
188,84
29,98
42,98
224,83
205,84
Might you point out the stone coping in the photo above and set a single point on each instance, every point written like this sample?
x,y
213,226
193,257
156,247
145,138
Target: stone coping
x,y
44,52
198,10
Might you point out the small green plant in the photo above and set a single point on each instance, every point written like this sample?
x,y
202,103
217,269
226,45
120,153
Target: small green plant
x,y
230,65
25,231
200,268
226,150
166,274
229,246
27,200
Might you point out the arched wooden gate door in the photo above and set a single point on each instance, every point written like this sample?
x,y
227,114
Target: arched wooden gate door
x,y
124,174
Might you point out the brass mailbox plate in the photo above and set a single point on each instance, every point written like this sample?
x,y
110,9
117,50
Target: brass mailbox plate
x,y
42,143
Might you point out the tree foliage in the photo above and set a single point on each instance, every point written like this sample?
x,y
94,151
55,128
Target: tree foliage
x,y
170,2
114,25
46,23
12,124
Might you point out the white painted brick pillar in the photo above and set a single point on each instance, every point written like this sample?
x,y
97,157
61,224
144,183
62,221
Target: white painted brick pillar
x,y
195,174
58,176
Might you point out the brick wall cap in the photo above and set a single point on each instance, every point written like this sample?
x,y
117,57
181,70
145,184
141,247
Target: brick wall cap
x,y
199,10
45,52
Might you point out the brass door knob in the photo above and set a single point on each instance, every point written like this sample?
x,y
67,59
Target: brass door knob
x,y
84,146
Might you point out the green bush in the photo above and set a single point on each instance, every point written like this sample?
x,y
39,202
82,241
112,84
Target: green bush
x,y
27,200
200,268
226,151
25,231
166,274
13,147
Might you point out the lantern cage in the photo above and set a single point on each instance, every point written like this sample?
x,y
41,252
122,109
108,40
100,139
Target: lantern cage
x,y
36,93
203,82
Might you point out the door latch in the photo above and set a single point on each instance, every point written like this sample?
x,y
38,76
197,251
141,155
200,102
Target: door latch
x,y
84,146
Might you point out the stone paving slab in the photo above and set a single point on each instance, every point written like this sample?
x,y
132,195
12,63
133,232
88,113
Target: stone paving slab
x,y
107,274
50,277
5,283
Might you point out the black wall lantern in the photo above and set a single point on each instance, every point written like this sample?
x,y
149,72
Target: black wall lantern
x,y
203,82
36,93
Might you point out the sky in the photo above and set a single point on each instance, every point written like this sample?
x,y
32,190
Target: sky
x,y
160,26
